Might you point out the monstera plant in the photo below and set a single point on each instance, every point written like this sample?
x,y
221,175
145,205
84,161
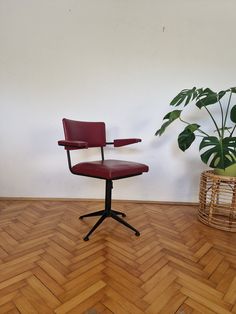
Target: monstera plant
x,y
218,148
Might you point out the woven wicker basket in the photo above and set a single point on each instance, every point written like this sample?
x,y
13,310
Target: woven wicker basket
x,y
217,198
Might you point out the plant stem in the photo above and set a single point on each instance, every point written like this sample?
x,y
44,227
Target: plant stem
x,y
199,130
184,121
227,110
214,121
222,119
231,134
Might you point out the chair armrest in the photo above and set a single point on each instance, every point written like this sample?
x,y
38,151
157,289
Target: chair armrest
x,y
125,141
72,144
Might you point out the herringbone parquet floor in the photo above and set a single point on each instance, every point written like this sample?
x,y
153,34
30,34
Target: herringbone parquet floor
x,y
178,265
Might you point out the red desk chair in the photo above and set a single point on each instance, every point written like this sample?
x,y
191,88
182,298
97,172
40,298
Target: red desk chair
x,y
79,135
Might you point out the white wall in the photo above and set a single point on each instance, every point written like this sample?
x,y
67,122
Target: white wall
x,y
118,61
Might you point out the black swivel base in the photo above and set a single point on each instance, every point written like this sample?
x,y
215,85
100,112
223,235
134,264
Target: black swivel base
x,y
108,212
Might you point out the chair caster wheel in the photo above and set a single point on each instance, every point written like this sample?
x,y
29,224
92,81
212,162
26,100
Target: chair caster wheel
x,y
80,218
86,238
123,215
137,234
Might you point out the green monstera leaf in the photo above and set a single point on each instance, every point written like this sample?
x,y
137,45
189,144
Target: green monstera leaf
x,y
170,117
218,153
207,97
186,95
187,137
233,114
218,146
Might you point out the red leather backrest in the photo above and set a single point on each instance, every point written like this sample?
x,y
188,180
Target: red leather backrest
x,y
91,132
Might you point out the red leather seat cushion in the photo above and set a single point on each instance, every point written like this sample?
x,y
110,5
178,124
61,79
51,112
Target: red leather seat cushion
x,y
109,169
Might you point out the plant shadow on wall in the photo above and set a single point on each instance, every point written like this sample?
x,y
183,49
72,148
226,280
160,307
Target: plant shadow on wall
x,y
218,147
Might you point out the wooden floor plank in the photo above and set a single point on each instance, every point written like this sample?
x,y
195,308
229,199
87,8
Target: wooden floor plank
x,y
177,265
75,301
